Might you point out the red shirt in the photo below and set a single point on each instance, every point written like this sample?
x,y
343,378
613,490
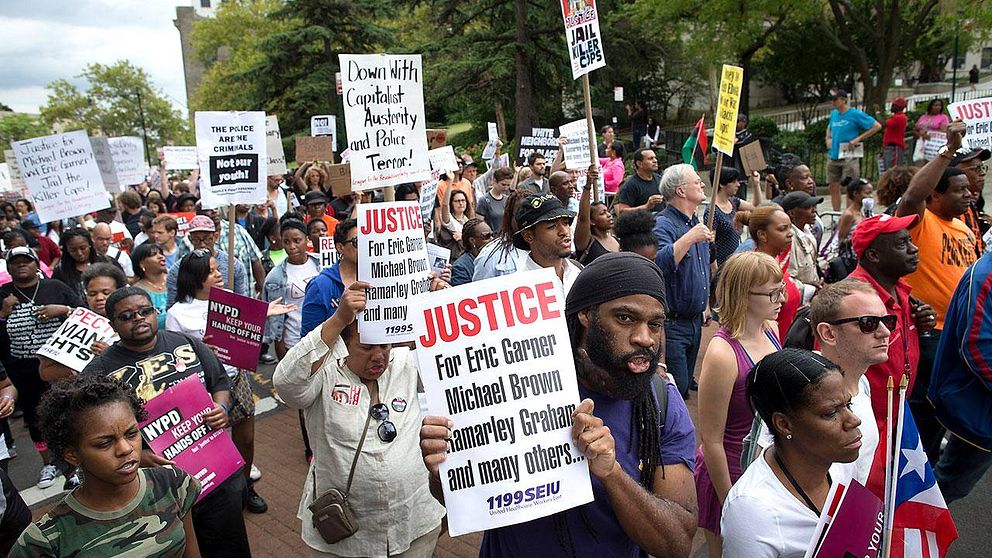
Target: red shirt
x,y
48,251
904,344
793,300
895,130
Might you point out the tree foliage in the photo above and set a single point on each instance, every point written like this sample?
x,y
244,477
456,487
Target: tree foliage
x,y
18,127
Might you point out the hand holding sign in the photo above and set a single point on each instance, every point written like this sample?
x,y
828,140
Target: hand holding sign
x,y
352,302
216,418
594,440
434,436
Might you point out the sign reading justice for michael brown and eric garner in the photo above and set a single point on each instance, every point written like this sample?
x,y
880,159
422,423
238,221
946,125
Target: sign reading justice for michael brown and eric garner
x,y
231,147
392,257
495,357
384,119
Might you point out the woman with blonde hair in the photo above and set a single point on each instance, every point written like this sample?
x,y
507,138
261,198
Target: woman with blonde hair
x,y
749,296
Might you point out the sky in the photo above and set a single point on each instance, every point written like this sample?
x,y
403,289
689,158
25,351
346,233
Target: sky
x,y
45,40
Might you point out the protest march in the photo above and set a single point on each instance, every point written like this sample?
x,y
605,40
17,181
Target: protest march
x,y
341,321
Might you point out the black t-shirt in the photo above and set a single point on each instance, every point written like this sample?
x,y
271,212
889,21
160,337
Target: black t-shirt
x,y
174,358
24,332
636,191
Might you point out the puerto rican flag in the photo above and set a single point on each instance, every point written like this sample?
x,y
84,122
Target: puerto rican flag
x,y
923,526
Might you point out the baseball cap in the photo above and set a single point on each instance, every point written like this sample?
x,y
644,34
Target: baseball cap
x,y
966,154
314,197
21,251
870,228
30,223
839,93
201,223
792,200
535,209
899,102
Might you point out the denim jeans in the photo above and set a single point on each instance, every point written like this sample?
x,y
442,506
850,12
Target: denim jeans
x,y
960,468
682,339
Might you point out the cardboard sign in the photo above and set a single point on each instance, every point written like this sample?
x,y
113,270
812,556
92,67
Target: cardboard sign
x,y
392,257
328,253
504,337
726,109
541,140
437,138
180,157
585,43
182,221
233,157
71,342
340,179
325,125
439,257
129,159
314,149
443,159
235,324
384,116
61,175
105,162
752,158
273,147
175,430
977,115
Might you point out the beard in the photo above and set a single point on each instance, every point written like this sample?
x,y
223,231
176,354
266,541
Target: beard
x,y
613,378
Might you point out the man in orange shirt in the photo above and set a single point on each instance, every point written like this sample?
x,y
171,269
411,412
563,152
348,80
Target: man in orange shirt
x,y
316,203
939,195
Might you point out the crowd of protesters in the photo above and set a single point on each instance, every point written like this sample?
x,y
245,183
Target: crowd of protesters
x,y
878,294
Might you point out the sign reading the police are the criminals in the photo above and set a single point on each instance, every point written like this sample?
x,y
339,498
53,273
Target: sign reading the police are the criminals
x,y
231,147
384,119
495,357
726,109
585,42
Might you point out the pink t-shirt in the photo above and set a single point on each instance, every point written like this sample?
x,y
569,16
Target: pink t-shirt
x,y
932,122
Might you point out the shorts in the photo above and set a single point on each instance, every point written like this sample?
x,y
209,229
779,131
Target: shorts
x,y
242,398
838,169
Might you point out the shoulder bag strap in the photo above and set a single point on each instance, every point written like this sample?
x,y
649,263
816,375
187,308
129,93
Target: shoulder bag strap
x,y
354,462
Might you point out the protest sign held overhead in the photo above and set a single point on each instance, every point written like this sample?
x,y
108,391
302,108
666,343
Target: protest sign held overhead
x,y
309,148
726,109
274,151
235,325
105,162
129,159
585,43
232,154
577,157
490,150
71,342
340,178
61,175
495,357
392,257
384,118
443,159
436,138
540,140
5,184
428,196
180,157
977,115
176,431
17,183
328,253
325,125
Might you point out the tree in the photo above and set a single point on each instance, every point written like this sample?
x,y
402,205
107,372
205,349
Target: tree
x,y
800,83
110,105
18,127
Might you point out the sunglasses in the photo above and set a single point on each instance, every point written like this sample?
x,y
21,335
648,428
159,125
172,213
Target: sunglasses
x,y
131,315
778,295
386,430
868,324
487,235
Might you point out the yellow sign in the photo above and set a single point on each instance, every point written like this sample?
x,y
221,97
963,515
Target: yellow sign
x,y
726,109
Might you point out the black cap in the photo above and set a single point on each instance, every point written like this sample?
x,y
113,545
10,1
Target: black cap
x,y
314,197
966,154
535,209
792,200
29,224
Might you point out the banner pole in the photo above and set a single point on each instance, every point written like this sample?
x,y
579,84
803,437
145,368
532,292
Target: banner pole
x,y
231,222
716,186
896,444
890,432
593,154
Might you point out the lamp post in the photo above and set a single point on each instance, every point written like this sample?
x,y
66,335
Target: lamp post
x,y
954,66
144,131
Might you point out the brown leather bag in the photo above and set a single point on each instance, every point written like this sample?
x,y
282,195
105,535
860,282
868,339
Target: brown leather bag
x,y
332,515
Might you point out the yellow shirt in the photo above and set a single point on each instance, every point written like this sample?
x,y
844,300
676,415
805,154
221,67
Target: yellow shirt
x,y
947,249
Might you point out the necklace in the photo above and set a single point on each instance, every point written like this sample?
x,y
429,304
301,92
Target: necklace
x,y
802,493
30,298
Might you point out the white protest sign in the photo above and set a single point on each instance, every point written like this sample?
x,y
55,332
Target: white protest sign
x,y
273,147
232,154
5,184
495,356
384,118
443,159
328,253
492,130
932,145
847,151
180,157
105,162
490,149
428,196
325,125
70,344
16,179
618,94
585,43
129,159
977,115
438,256
576,155
61,175
392,257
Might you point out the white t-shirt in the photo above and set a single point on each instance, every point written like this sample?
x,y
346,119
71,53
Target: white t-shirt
x,y
123,259
297,278
191,318
762,519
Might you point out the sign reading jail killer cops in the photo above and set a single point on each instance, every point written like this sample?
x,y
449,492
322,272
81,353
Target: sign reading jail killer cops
x,y
392,257
585,42
384,119
61,175
231,147
726,109
977,115
274,151
235,325
71,342
129,159
541,140
495,357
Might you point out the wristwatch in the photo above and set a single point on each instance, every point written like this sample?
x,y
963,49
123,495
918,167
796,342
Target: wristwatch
x,y
946,153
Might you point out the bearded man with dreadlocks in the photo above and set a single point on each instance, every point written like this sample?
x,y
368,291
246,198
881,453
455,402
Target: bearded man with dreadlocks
x,y
632,426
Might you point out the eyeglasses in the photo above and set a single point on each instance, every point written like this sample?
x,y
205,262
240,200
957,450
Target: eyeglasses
x,y
200,253
386,430
130,315
773,296
868,324
353,242
487,235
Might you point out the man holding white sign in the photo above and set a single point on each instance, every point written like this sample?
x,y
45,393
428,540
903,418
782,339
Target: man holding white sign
x,y
641,467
